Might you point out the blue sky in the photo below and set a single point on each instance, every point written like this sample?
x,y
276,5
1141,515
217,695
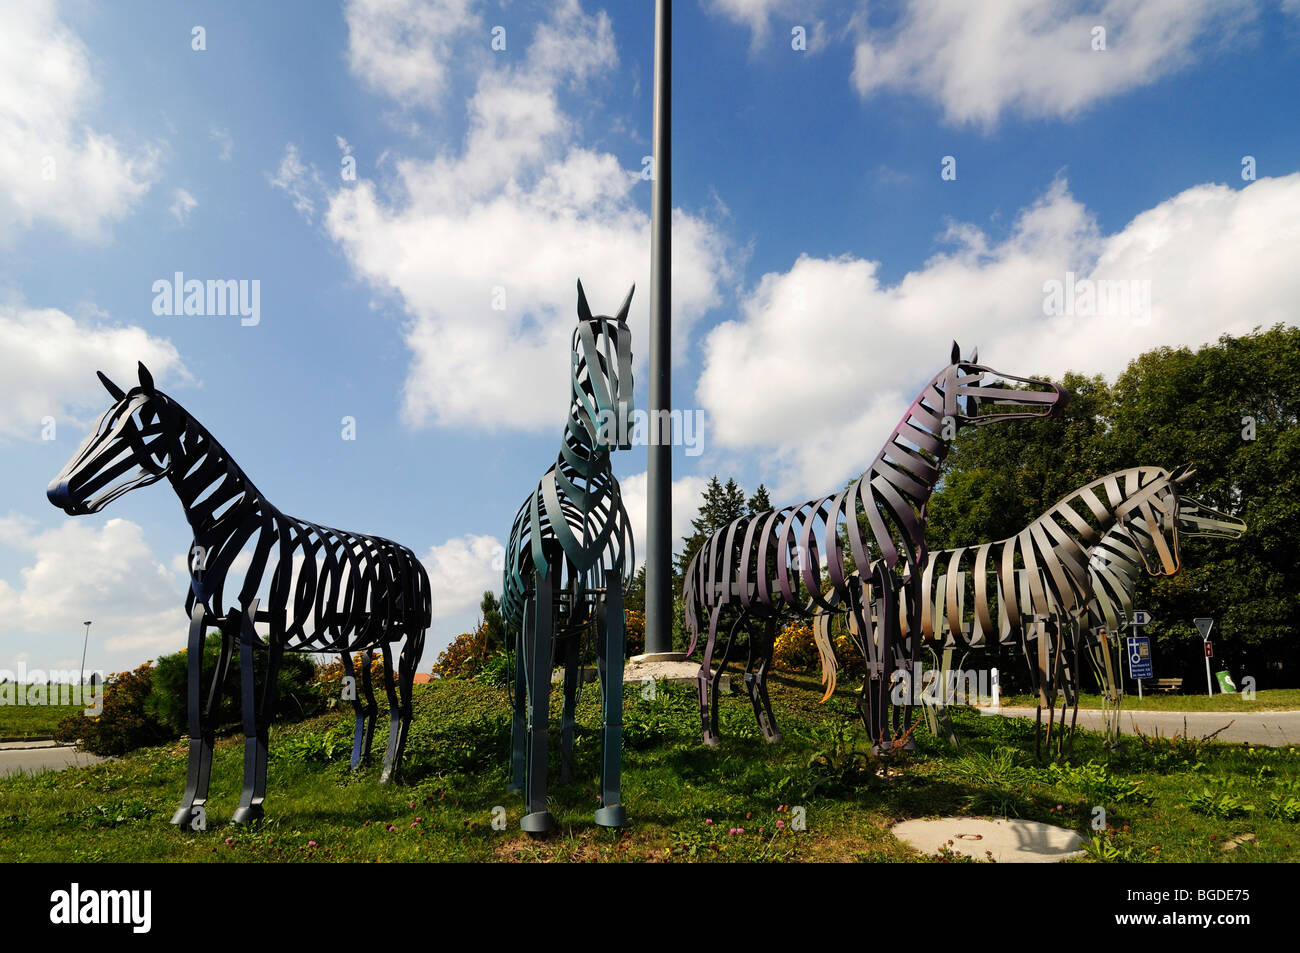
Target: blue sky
x,y
822,263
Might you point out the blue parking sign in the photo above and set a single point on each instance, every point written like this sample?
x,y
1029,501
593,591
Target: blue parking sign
x,y
1139,656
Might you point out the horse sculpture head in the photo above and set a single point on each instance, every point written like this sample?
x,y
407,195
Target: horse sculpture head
x,y
973,393
1152,521
602,375
1196,518
131,445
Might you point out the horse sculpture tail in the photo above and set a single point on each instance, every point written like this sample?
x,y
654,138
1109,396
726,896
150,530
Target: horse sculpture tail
x,y
689,598
825,651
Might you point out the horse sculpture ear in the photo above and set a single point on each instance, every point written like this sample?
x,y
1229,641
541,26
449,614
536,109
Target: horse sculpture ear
x,y
584,312
113,390
1184,473
146,379
975,356
627,303
956,353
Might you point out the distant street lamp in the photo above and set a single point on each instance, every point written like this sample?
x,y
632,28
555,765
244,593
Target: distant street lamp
x,y
84,646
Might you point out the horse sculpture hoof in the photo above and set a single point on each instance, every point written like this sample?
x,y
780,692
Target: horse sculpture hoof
x,y
612,816
538,822
247,815
711,740
774,738
183,816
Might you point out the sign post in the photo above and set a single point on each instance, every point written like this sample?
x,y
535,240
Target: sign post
x,y
1204,625
1139,659
1139,664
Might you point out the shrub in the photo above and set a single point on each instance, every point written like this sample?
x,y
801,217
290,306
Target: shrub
x,y
634,629
466,654
795,650
297,695
124,724
328,684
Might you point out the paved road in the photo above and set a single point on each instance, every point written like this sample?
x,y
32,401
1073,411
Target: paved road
x,y
36,756
1278,729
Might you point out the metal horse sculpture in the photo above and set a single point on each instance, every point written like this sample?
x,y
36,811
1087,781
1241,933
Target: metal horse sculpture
x,y
1115,574
570,549
882,515
1055,584
310,588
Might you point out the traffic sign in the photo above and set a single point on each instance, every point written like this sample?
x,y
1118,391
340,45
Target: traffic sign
x,y
1139,657
1204,625
1141,617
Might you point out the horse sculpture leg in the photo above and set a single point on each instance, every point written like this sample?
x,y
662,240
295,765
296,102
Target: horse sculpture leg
x,y
406,664
519,726
370,709
386,774
703,678
766,717
715,686
257,714
611,637
538,820
571,647
193,808
354,695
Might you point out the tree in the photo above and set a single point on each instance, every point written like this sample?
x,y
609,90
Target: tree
x,y
634,595
760,502
1231,409
721,505
490,607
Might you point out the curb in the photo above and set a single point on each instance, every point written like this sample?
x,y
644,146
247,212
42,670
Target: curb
x,y
19,738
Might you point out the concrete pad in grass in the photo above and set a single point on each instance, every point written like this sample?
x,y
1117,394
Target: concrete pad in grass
x,y
1005,840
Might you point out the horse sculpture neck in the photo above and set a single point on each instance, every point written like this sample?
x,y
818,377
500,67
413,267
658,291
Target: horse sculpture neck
x,y
579,452
212,488
921,429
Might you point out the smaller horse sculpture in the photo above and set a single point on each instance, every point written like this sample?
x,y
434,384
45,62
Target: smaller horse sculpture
x,y
310,588
1054,585
570,546
769,565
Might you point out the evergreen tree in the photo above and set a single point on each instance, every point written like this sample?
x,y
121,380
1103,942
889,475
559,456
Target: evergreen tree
x,y
760,502
490,607
720,505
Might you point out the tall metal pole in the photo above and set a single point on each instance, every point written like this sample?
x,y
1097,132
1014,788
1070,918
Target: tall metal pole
x,y
659,476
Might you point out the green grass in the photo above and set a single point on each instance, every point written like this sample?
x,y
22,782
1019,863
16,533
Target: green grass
x,y
1275,699
25,721
1164,799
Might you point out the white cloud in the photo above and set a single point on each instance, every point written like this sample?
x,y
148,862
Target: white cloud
x,y
825,358
79,571
521,212
978,60
460,570
301,182
758,15
225,142
48,364
402,48
685,507
54,168
182,204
